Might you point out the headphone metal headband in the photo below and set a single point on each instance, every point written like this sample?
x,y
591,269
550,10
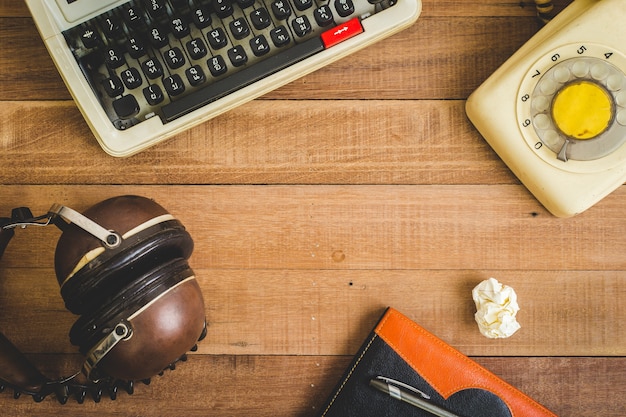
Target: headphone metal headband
x,y
108,237
22,218
122,331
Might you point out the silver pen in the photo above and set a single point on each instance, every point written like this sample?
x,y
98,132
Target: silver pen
x,y
402,392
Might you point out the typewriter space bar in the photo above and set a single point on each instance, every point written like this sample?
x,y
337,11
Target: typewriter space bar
x,y
241,79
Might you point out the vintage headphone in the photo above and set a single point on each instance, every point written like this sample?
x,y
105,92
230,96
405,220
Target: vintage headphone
x,y
122,268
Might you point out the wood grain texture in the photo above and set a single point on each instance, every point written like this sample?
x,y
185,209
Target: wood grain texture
x,y
376,227
387,142
359,186
280,312
297,386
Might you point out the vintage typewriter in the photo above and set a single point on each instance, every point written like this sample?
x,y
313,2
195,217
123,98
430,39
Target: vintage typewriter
x,y
142,71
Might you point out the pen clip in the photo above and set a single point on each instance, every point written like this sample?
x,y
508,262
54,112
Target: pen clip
x,y
393,382
390,381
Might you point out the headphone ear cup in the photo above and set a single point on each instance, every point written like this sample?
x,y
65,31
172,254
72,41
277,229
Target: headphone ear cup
x,y
164,309
135,283
114,269
94,324
163,332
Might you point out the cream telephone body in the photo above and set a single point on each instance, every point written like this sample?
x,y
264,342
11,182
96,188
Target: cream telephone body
x,y
555,112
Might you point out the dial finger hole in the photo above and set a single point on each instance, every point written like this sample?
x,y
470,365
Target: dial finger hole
x,y
621,117
542,121
580,69
620,98
599,71
548,87
562,74
615,82
541,104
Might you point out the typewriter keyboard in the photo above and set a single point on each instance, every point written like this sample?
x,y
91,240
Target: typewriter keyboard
x,y
167,58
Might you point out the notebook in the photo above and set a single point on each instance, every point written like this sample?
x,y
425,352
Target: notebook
x,y
403,370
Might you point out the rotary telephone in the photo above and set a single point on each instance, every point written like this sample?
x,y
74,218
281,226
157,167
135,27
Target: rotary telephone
x,y
122,268
555,112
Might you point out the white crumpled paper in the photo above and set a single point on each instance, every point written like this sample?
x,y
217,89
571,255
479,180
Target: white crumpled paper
x,y
496,308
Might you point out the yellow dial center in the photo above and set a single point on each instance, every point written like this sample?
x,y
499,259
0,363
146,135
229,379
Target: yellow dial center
x,y
582,110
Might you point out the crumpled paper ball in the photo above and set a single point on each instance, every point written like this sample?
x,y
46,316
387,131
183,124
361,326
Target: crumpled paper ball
x,y
496,308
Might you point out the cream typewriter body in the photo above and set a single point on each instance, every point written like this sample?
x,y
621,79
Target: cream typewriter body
x,y
142,71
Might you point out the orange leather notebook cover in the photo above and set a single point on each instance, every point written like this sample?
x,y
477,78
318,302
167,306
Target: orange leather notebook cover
x,y
419,364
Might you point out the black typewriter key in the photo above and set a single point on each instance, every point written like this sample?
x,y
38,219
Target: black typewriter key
x,y
303,5
156,8
152,68
196,48
114,57
179,4
201,17
90,37
280,36
135,47
323,16
260,18
131,78
113,86
126,106
153,94
195,75
259,45
132,16
237,55
112,27
158,38
344,7
217,65
301,26
179,28
217,38
239,28
243,77
281,9
223,8
244,4
174,85
147,45
174,58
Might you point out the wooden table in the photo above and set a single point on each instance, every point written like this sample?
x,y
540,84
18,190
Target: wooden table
x,y
360,186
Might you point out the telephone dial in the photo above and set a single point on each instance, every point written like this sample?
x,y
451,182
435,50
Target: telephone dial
x,y
122,268
555,112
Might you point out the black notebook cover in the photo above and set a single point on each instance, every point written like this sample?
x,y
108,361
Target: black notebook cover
x,y
441,376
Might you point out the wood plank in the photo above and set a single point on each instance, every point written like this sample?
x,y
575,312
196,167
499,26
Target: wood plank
x,y
12,8
395,228
293,312
485,8
256,385
379,142
26,69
